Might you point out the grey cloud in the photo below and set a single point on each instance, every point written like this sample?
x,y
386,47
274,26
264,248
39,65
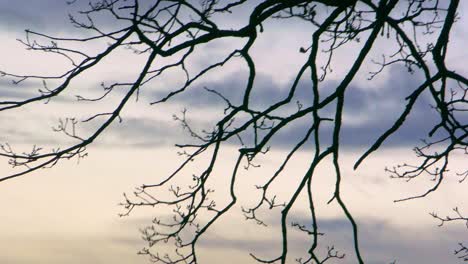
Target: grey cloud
x,y
381,242
252,246
9,90
384,106
143,133
12,133
265,92
374,108
132,132
48,16
22,14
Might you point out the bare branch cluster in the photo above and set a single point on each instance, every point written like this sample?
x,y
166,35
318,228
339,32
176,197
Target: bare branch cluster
x,y
177,29
462,251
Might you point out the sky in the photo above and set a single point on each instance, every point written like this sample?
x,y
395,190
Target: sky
x,y
69,213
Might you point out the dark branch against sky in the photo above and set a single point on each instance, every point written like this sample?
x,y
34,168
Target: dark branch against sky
x,y
360,111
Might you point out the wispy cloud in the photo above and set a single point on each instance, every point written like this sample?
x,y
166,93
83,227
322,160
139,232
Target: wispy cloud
x,y
22,14
369,111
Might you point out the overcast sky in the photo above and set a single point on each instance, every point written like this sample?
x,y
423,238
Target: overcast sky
x,y
68,214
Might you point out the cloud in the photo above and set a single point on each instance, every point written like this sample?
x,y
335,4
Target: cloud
x,y
380,242
369,111
22,14
144,132
8,90
51,16
264,93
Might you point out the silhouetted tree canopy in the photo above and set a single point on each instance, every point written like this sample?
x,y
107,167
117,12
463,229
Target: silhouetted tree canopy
x,y
169,35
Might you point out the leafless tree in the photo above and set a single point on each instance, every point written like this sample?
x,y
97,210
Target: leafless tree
x,y
462,251
178,29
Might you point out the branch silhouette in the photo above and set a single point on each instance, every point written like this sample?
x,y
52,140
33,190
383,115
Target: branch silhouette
x,y
178,29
